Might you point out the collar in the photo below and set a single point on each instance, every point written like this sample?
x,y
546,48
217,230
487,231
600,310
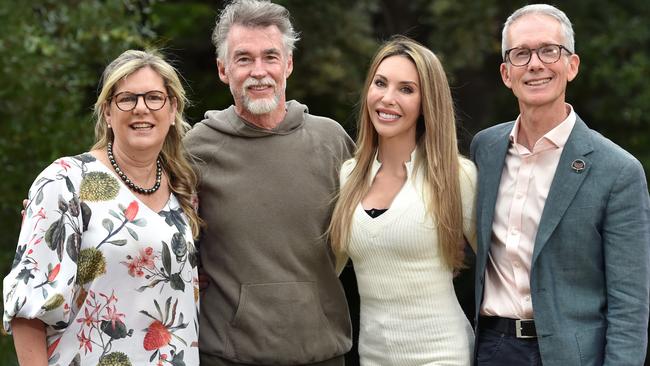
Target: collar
x,y
376,164
556,138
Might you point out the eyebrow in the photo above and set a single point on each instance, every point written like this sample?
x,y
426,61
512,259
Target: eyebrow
x,y
237,53
271,51
541,44
132,92
409,82
268,51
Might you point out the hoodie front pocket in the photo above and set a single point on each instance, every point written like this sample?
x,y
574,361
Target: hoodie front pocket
x,y
281,323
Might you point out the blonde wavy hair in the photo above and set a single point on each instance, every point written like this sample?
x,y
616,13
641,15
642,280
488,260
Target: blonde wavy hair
x,y
437,154
174,158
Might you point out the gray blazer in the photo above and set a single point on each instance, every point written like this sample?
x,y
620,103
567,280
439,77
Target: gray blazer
x,y
590,271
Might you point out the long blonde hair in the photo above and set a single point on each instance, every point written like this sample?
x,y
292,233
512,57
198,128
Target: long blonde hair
x,y
437,154
174,157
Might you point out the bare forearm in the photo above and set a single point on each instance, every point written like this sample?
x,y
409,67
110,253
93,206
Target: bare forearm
x,y
29,339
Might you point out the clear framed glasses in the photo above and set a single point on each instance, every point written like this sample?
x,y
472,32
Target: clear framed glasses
x,y
548,54
127,101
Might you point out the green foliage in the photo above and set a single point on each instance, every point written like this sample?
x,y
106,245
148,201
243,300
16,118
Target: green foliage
x,y
187,42
612,88
461,32
332,56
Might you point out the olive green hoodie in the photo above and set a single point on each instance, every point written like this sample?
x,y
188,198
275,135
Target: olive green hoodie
x,y
266,197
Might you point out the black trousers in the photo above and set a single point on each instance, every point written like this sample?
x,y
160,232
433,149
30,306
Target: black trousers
x,y
499,349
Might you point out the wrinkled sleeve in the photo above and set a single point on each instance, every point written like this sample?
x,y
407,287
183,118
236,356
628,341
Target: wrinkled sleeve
x,y
41,281
626,242
468,176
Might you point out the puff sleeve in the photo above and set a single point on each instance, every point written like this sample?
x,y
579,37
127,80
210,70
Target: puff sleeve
x,y
41,282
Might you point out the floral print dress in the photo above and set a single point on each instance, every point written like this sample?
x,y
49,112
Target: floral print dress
x,y
114,282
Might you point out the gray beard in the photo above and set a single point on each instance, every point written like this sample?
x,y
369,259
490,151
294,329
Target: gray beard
x,y
261,106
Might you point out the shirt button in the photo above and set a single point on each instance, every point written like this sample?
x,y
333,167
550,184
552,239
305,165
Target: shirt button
x,y
519,196
514,231
526,298
516,264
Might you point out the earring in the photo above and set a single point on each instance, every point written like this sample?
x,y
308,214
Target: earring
x,y
173,123
109,125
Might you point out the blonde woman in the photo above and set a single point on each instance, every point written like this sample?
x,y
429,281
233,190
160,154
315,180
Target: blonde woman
x,y
405,212
105,269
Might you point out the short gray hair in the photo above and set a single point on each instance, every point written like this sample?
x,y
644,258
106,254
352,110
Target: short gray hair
x,y
253,13
543,9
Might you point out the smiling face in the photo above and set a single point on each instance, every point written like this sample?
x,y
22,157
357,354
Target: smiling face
x,y
394,99
256,69
538,84
140,129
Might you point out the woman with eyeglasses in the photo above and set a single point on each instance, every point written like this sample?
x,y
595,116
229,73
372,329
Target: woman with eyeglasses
x,y
105,272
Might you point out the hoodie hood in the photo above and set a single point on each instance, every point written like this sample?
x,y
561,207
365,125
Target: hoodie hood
x,y
227,121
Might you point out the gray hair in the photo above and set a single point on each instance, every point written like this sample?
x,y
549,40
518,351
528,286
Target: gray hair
x,y
253,13
543,9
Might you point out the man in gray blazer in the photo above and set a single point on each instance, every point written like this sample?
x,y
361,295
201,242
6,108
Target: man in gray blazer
x,y
563,219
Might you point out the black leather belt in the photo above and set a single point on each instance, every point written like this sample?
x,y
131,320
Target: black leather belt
x,y
520,328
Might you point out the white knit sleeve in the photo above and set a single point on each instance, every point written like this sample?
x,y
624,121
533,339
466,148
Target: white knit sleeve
x,y
344,174
468,176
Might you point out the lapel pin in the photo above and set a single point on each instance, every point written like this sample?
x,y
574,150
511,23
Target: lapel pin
x,y
578,165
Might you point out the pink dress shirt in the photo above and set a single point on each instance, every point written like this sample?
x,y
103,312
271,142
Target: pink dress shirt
x,y
525,182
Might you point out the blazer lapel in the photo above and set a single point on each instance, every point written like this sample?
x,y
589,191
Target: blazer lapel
x,y
566,182
490,171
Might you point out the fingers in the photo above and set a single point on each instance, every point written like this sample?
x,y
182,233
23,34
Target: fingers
x,y
204,281
195,202
22,212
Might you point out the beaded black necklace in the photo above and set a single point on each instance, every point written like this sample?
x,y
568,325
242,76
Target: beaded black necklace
x,y
129,183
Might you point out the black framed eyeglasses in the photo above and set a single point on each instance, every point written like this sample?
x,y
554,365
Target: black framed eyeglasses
x,y
127,101
548,54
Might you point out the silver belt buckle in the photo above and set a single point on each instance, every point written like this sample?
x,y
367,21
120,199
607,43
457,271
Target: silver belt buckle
x,y
518,329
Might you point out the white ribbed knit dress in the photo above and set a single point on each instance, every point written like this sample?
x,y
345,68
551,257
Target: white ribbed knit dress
x,y
409,311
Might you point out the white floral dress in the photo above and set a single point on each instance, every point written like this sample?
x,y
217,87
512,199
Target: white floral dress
x,y
114,282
